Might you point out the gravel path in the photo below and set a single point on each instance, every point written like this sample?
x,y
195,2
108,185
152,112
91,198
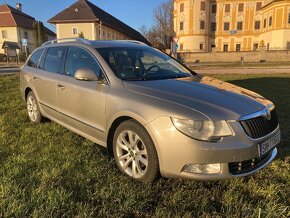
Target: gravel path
x,y
243,70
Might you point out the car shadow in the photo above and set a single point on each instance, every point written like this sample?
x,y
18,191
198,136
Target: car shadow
x,y
276,89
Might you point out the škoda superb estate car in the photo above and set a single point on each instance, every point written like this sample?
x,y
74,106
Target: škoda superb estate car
x,y
153,114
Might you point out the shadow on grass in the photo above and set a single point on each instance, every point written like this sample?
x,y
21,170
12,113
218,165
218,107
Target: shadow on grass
x,y
276,89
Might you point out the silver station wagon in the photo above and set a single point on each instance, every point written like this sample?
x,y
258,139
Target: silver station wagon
x,y
154,115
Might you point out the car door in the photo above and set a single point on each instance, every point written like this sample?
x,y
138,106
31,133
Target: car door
x,y
46,77
82,103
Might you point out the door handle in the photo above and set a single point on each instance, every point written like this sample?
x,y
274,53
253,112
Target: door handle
x,y
34,78
60,87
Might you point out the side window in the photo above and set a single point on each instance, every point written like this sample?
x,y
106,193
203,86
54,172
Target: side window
x,y
53,60
34,60
78,58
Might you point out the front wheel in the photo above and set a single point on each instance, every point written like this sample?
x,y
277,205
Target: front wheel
x,y
134,152
33,110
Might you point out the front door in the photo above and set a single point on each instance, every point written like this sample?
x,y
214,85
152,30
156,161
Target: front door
x,y
82,104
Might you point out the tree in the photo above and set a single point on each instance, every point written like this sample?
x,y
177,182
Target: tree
x,y
38,33
161,33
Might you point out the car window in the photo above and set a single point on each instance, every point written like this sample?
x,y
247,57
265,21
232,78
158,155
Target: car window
x,y
34,60
53,60
142,63
78,58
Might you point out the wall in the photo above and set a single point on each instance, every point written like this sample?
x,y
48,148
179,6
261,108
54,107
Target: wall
x,y
11,36
250,56
64,30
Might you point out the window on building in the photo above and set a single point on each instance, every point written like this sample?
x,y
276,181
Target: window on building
x,y
181,26
226,47
202,5
227,8
213,8
35,58
257,25
238,47
258,6
241,7
213,26
25,35
75,31
270,21
288,18
239,25
4,34
202,25
288,46
104,34
181,7
181,47
201,46
265,23
78,58
226,26
212,46
256,46
53,60
268,46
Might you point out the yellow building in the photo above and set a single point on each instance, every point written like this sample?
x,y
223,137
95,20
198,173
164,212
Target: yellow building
x,y
16,25
86,19
232,25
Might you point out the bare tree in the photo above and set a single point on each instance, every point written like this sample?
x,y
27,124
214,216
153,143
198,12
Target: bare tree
x,y
161,33
163,22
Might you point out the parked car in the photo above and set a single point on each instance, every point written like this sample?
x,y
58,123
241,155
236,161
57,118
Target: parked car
x,y
153,114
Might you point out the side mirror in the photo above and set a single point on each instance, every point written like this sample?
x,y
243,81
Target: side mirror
x,y
85,75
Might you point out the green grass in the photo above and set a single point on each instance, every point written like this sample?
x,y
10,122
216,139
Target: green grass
x,y
48,171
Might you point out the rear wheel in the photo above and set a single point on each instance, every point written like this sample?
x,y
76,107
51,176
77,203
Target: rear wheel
x,y
33,110
134,152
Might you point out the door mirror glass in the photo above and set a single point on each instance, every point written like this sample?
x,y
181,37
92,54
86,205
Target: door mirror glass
x,y
85,75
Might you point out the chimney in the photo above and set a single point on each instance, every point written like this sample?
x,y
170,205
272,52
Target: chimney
x,y
19,6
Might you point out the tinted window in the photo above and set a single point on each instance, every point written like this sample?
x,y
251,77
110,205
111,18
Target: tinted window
x,y
78,58
54,59
34,60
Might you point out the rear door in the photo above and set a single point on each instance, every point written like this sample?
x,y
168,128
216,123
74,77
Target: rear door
x,y
82,103
46,79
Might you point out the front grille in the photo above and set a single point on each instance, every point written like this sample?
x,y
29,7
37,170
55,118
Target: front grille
x,y
260,126
247,166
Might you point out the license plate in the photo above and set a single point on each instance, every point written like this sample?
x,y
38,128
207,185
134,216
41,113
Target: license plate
x,y
267,145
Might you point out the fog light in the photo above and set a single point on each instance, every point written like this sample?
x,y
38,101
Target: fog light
x,y
202,168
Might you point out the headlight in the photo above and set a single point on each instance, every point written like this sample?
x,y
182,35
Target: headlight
x,y
204,130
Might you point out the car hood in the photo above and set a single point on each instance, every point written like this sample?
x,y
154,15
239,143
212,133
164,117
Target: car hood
x,y
214,98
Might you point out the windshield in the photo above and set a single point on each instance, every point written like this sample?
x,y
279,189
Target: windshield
x,y
142,63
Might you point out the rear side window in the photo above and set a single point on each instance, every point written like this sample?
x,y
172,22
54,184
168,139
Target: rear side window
x,y
78,58
35,58
53,60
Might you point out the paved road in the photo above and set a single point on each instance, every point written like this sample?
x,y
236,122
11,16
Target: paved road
x,y
9,70
253,70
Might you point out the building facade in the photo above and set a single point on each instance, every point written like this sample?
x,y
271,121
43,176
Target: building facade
x,y
232,25
89,21
16,25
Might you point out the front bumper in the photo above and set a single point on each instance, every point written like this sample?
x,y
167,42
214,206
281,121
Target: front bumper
x,y
175,150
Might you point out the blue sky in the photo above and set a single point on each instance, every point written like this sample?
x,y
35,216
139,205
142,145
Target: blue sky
x,y
135,13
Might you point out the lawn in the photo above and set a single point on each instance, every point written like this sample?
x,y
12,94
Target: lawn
x,y
48,171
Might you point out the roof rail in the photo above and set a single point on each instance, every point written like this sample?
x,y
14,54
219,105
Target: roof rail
x,y
66,40
132,41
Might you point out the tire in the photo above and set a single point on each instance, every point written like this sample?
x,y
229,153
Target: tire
x,y
134,152
33,110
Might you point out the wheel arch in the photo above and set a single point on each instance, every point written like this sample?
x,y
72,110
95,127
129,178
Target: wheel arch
x,y
115,122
